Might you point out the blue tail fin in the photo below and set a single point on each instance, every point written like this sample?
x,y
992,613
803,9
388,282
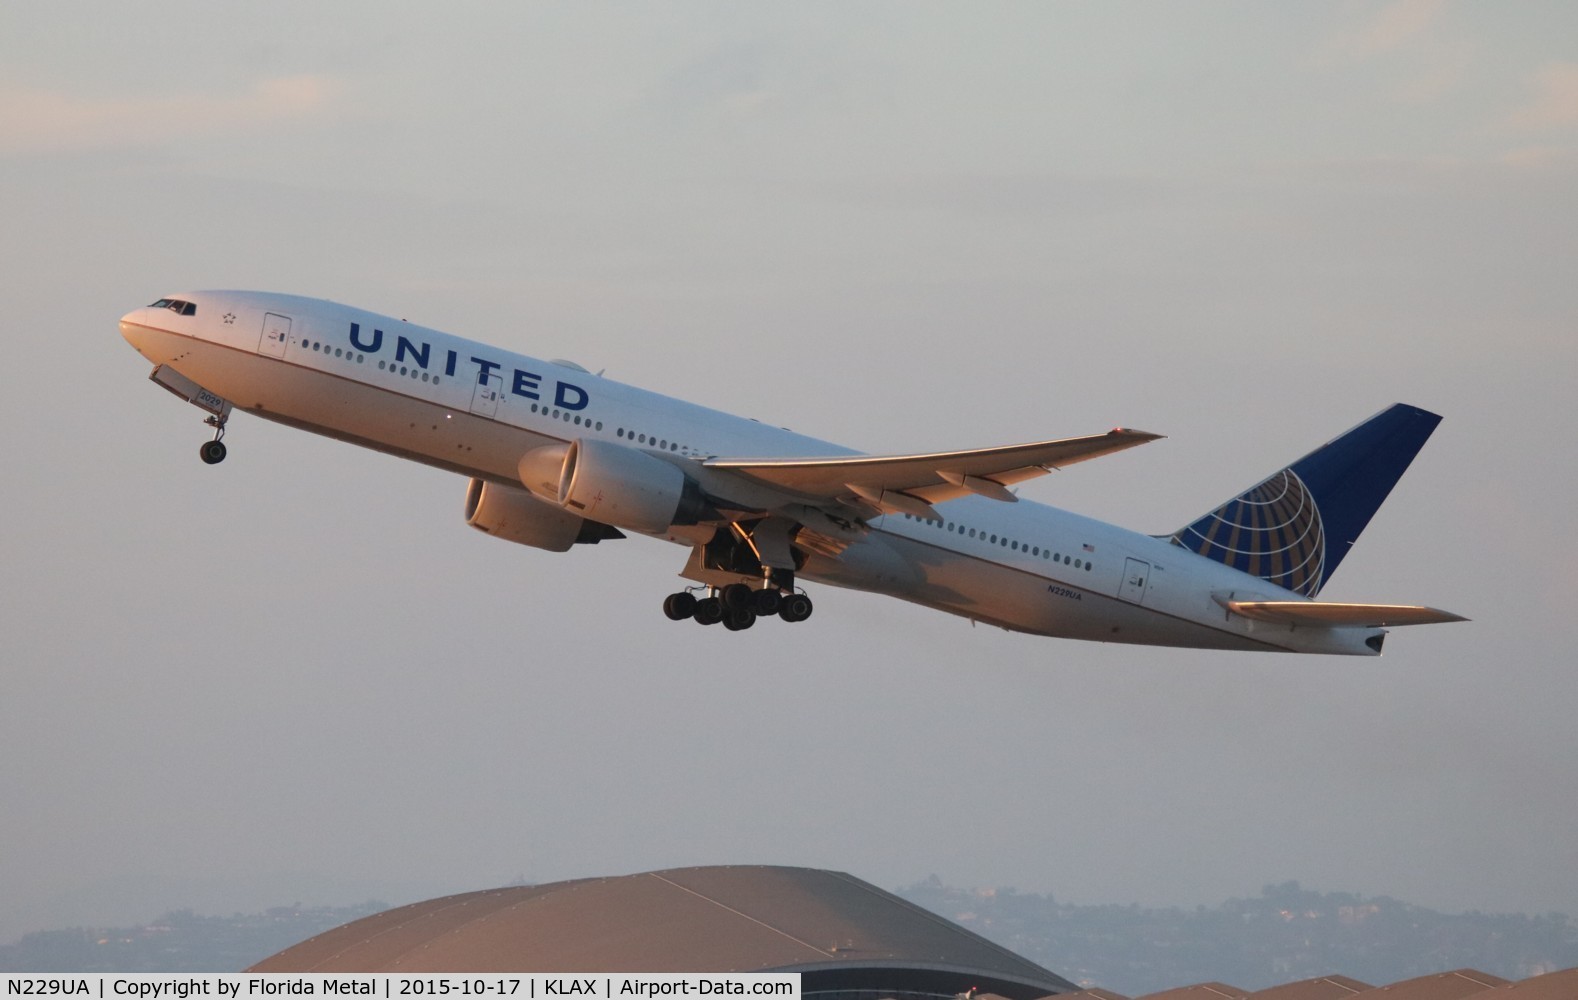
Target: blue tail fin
x,y
1294,529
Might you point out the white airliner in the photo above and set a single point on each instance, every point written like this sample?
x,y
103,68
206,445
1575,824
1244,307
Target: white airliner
x,y
559,456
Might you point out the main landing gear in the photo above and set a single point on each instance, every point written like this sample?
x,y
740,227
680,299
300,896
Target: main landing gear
x,y
737,606
213,452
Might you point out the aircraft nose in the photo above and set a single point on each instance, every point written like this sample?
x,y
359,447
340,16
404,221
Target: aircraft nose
x,y
133,324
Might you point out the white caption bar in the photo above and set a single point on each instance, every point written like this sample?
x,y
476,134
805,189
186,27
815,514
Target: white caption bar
x,y
490,986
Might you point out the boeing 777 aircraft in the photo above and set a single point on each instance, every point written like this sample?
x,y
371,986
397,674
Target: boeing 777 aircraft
x,y
558,456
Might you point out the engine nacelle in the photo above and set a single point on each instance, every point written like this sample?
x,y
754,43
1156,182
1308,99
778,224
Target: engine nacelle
x,y
516,516
612,484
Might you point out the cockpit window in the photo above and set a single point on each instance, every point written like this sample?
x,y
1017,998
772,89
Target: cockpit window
x,y
178,306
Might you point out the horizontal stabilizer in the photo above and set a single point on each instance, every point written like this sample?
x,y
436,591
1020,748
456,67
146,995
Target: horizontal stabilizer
x,y
1332,615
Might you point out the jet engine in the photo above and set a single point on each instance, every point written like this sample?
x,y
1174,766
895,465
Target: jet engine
x,y
613,484
516,516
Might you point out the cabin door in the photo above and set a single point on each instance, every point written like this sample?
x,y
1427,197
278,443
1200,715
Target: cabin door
x,y
276,335
485,396
1136,575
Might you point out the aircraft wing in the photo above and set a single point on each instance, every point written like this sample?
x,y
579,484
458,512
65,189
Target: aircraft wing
x,y
1329,614
912,483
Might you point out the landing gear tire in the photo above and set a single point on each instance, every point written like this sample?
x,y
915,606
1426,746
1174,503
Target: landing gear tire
x,y
795,608
739,619
680,606
736,597
766,602
709,611
212,452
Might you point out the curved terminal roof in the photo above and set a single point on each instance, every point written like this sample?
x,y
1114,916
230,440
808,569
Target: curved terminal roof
x,y
842,934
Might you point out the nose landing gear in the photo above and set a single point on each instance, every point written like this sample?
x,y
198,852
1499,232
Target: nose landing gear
x,y
213,452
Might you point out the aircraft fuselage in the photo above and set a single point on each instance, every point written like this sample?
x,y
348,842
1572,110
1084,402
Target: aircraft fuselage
x,y
475,410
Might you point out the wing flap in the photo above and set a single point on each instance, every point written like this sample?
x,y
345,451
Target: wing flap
x,y
1332,615
928,478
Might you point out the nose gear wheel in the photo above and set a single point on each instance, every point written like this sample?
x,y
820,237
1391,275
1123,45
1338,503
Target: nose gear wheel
x,y
213,452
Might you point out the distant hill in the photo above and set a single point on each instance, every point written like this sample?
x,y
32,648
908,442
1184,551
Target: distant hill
x,y
177,942
1287,933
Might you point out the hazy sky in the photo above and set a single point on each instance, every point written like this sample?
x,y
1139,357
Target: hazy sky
x,y
901,226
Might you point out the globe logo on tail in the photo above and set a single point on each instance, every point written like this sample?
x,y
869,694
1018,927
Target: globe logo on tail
x,y
1272,531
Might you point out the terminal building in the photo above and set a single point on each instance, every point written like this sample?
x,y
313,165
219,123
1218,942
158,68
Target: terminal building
x,y
848,940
